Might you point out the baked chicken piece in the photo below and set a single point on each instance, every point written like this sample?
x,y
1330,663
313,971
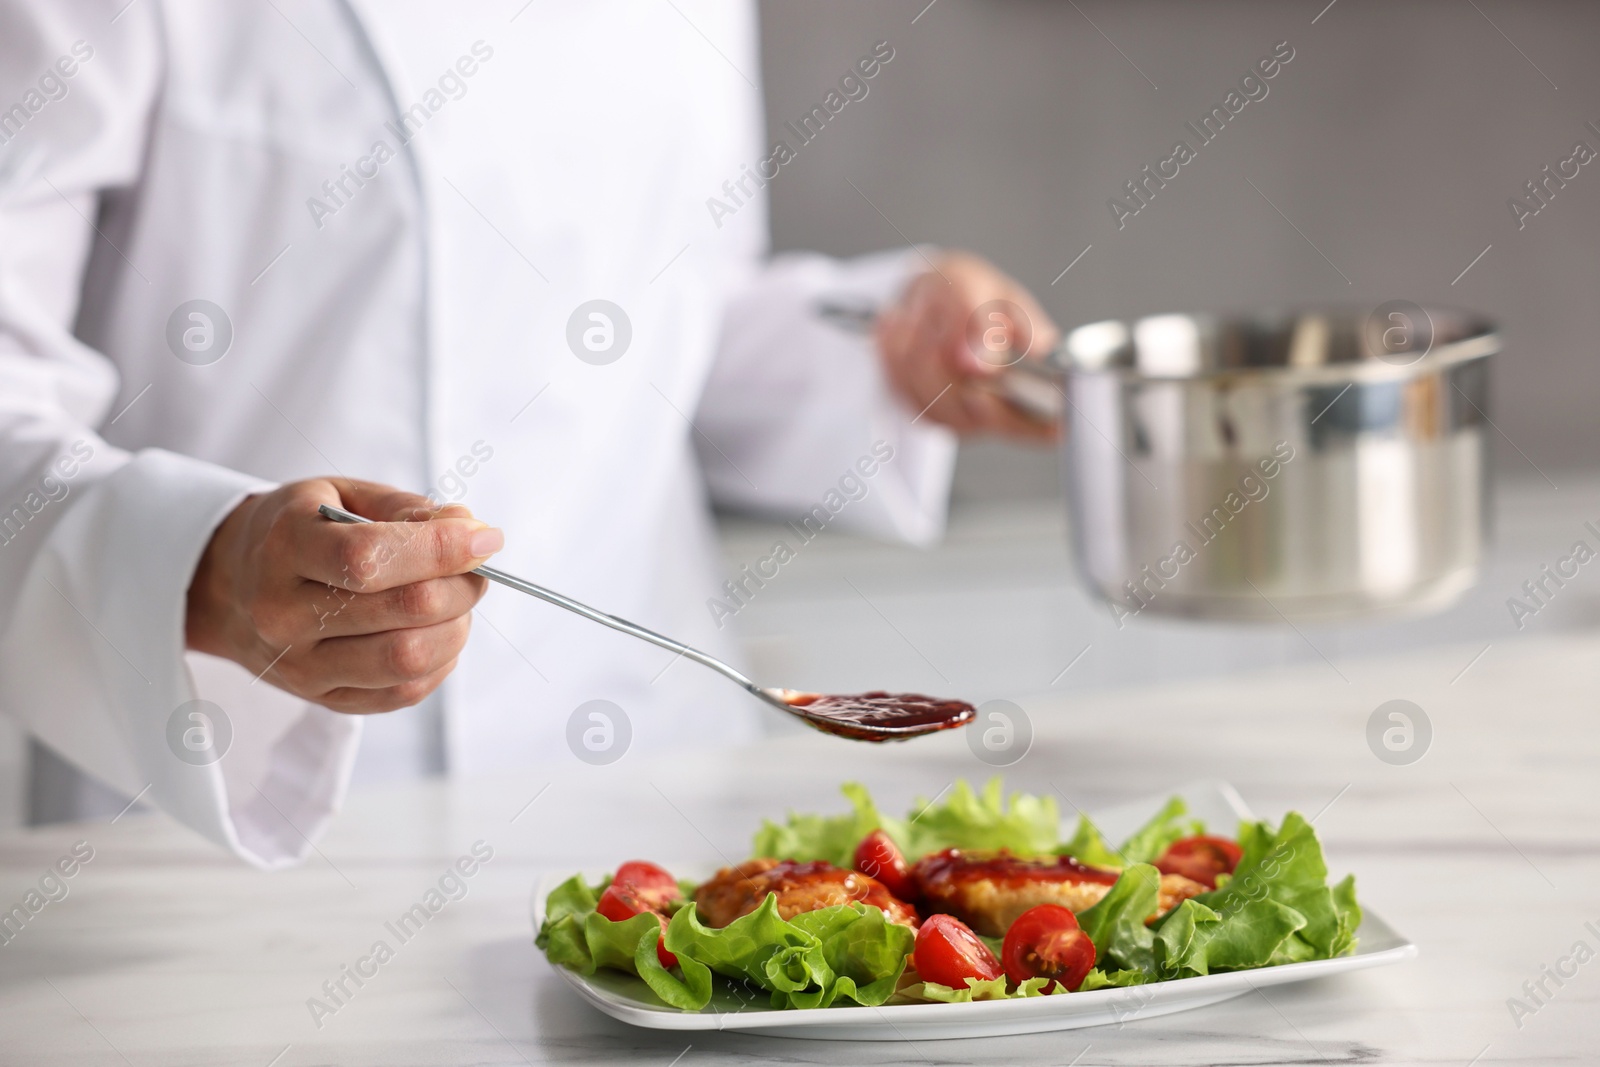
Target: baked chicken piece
x,y
800,886
988,890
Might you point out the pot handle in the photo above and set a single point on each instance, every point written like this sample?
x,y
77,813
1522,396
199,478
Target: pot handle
x,y
1034,386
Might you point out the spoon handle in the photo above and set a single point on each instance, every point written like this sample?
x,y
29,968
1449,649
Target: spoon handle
x,y
550,596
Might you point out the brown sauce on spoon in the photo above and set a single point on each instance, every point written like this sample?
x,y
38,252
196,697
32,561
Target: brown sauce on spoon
x,y
862,715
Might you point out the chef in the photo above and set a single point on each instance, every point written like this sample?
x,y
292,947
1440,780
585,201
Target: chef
x,y
493,275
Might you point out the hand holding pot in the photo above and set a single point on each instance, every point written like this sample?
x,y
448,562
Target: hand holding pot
x,y
953,331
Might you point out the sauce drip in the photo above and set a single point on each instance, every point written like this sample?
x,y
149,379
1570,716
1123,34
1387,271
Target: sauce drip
x,y
862,716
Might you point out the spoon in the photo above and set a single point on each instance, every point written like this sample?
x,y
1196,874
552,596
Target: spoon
x,y
874,716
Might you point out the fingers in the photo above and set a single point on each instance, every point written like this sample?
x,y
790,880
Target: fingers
x,y
1046,334
907,335
385,660
953,331
1004,322
383,503
338,613
355,701
361,618
386,554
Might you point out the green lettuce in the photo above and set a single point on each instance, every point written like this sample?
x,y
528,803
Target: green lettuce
x,y
1028,826
845,952
561,934
1348,911
1195,940
849,952
1286,867
1276,908
1088,845
999,988
1098,979
828,837
1153,838
976,989
1116,923
574,935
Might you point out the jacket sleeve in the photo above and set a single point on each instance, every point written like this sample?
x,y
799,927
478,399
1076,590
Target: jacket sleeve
x,y
98,544
797,414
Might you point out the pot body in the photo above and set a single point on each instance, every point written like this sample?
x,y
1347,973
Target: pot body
x,y
1278,468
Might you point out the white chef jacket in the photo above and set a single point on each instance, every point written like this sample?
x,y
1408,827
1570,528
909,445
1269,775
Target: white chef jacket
x,y
402,319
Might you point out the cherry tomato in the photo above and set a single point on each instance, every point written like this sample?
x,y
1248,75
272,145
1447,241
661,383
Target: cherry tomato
x,y
1200,858
652,883
619,903
879,857
1045,942
949,953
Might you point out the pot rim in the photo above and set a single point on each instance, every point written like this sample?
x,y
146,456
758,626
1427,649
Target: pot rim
x,y
1482,340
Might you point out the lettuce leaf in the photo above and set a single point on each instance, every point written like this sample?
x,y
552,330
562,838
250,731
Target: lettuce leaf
x,y
1348,910
1144,845
1277,908
977,989
1116,922
561,934
828,837
866,952
999,988
1195,940
1088,845
1286,866
631,946
1152,839
1028,826
574,935
572,897
845,952
1098,979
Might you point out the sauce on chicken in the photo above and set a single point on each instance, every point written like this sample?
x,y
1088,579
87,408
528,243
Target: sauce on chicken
x,y
989,890
800,886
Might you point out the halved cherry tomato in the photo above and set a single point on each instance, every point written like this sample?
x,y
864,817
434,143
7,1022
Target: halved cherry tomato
x,y
879,857
949,953
620,903
1200,859
652,883
1045,942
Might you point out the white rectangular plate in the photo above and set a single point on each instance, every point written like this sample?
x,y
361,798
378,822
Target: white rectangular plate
x,y
627,998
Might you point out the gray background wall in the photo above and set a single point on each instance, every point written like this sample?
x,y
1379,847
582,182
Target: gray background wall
x,y
1392,140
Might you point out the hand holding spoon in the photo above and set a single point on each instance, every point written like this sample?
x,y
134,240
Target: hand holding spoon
x,y
875,716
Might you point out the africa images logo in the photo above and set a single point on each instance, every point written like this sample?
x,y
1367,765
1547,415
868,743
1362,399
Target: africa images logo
x,y
199,332
199,732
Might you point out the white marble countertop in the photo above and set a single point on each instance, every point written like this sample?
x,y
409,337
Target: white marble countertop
x,y
1486,853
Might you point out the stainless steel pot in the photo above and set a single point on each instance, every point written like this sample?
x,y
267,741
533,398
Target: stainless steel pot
x,y
1314,466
